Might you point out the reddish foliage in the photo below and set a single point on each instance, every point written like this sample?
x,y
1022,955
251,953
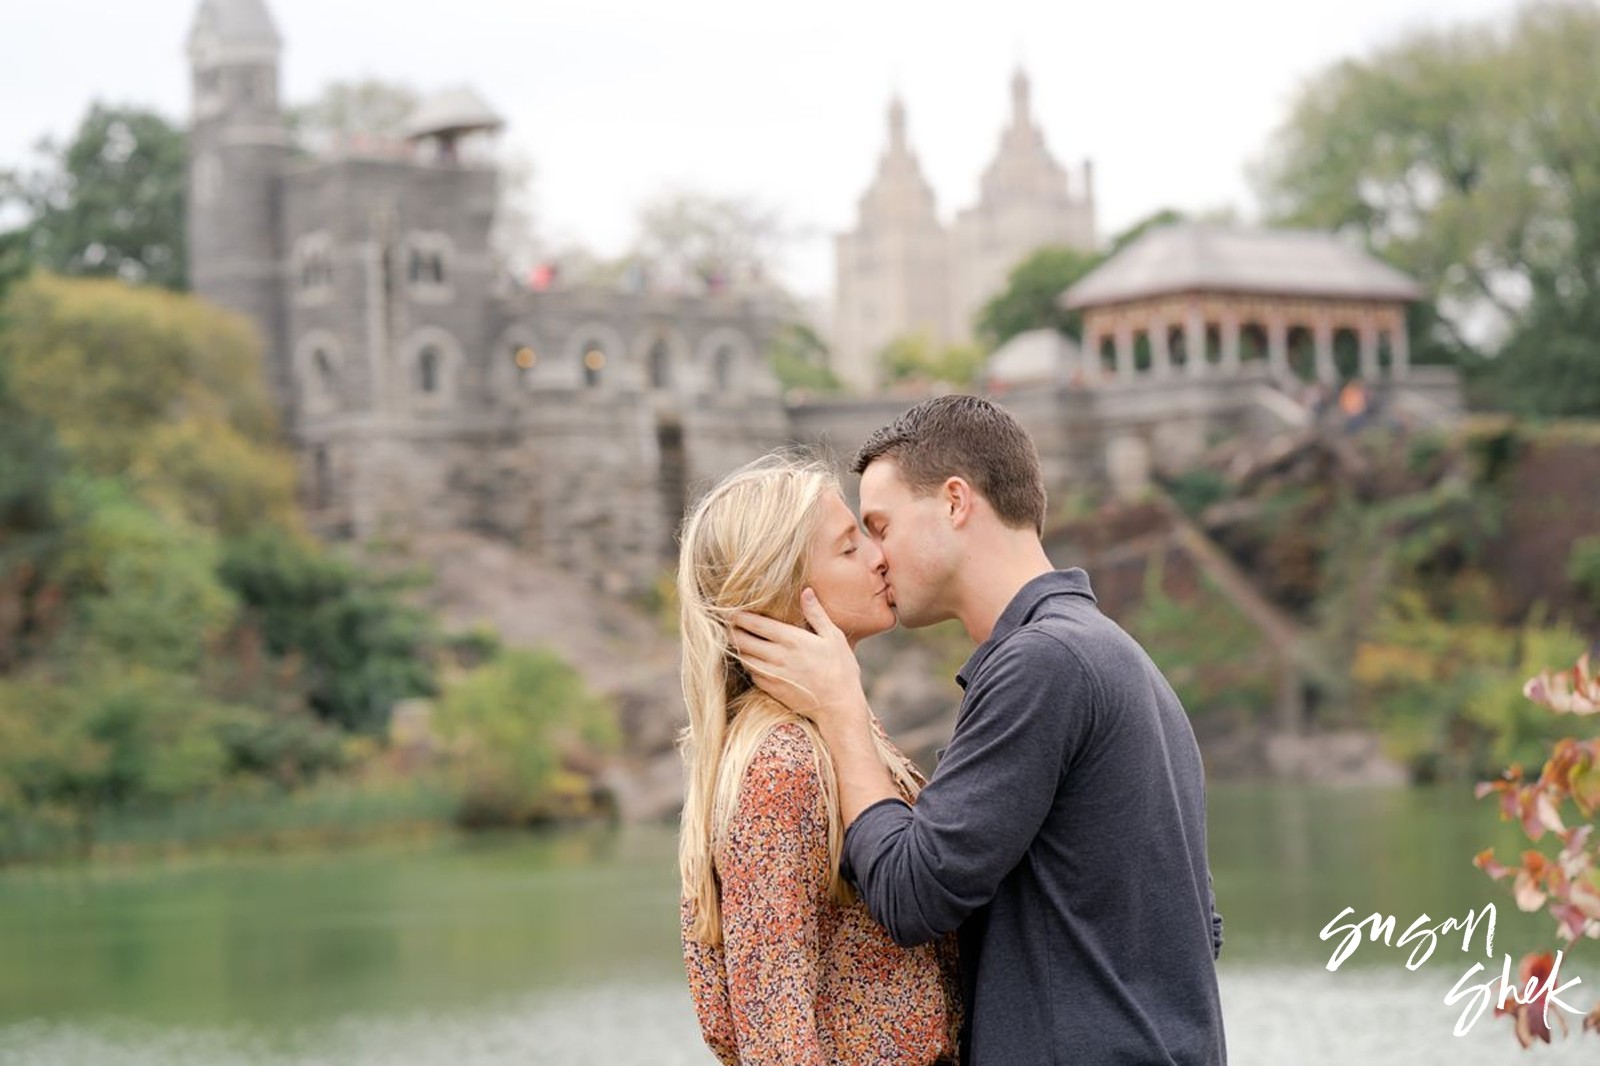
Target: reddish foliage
x,y
1566,885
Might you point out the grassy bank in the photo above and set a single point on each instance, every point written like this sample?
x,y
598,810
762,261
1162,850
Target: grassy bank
x,y
328,814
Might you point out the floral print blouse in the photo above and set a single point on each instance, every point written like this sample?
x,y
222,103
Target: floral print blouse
x,y
801,979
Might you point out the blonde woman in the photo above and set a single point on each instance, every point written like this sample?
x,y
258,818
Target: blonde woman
x,y
785,964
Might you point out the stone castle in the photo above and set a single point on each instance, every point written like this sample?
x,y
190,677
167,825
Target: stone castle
x,y
423,389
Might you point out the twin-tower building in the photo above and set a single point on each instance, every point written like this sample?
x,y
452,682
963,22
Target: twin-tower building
x,y
903,270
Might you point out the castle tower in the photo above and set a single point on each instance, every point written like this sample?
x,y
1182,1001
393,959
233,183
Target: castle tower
x,y
238,150
1025,202
891,269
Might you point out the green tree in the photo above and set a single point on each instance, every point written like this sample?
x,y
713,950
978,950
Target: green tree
x,y
1468,157
31,468
1030,298
799,358
156,389
110,202
143,586
513,723
915,357
360,646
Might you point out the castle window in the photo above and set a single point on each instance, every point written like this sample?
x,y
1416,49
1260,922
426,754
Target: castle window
x,y
313,264
318,372
321,479
327,376
428,361
722,368
427,267
660,366
594,361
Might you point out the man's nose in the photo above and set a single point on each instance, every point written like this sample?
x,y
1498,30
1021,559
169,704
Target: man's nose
x,y
880,562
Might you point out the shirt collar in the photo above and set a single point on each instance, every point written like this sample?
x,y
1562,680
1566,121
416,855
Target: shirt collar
x,y
1023,606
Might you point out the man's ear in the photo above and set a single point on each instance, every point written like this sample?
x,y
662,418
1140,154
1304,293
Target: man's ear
x,y
959,499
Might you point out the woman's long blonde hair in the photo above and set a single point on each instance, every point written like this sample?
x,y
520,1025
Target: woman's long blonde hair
x,y
744,548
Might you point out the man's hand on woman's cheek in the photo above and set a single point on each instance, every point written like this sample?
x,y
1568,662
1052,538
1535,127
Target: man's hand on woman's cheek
x,y
812,672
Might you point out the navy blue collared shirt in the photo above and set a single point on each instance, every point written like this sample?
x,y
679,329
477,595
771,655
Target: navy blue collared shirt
x,y
1063,834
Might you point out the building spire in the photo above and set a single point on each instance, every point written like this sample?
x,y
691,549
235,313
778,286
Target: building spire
x,y
1019,98
897,124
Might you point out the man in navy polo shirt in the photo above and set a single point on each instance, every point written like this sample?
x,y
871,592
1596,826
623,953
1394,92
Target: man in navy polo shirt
x,y
1063,833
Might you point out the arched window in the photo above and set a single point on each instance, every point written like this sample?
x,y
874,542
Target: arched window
x,y
660,365
1177,347
722,368
428,361
594,362
1301,346
1346,354
327,374
1252,341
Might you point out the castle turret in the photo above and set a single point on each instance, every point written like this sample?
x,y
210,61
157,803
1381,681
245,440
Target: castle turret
x,y
239,148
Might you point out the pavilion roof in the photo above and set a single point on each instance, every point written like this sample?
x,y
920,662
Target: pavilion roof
x,y
1197,257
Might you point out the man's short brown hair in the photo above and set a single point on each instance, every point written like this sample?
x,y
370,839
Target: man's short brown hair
x,y
967,437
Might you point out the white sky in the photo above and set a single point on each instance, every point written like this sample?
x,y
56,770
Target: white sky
x,y
614,101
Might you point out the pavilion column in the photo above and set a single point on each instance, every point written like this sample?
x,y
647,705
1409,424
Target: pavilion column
x,y
1089,349
1278,346
1125,351
1399,349
1230,344
1369,351
1160,357
1322,334
1194,341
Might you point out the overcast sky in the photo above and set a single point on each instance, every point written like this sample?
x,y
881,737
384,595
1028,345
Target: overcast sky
x,y
614,101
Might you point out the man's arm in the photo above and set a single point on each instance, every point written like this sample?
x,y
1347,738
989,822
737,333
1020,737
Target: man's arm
x,y
814,673
922,872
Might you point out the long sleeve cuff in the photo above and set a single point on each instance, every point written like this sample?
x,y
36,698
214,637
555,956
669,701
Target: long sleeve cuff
x,y
867,833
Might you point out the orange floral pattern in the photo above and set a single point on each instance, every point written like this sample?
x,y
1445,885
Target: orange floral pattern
x,y
801,979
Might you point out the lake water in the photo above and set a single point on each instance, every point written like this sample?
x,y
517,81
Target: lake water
x,y
562,949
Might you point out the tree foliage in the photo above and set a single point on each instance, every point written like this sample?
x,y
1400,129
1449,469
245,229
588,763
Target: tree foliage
x,y
360,647
1029,300
799,358
1468,157
156,389
110,202
1561,804
914,357
514,723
